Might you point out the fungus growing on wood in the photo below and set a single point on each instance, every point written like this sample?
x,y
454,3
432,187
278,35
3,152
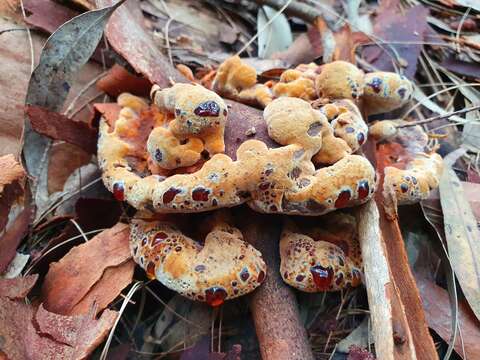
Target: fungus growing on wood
x,y
340,80
223,268
385,92
323,257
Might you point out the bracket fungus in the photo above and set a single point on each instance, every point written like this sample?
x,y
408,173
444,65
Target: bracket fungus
x,y
184,121
322,257
224,267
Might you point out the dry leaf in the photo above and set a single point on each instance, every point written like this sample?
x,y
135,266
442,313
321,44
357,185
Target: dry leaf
x,y
47,15
59,127
437,309
149,62
29,336
17,288
463,237
70,279
113,281
12,182
64,159
392,26
119,80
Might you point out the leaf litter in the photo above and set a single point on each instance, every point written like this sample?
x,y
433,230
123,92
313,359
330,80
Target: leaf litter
x,y
94,273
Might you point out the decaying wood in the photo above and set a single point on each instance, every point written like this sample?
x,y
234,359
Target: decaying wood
x,y
280,332
410,331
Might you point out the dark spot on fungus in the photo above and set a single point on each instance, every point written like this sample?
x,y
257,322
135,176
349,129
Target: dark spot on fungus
x,y
119,190
414,180
349,130
363,189
343,199
200,268
207,108
295,173
298,154
178,249
241,257
159,237
404,187
225,112
303,182
261,276
244,274
200,194
314,129
215,296
300,278
340,261
234,283
178,111
151,270
273,208
360,138
376,84
401,92
322,277
268,172
214,202
339,279
264,186
170,194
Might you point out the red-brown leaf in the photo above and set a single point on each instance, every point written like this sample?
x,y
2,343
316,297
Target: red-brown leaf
x,y
119,80
17,288
70,279
60,127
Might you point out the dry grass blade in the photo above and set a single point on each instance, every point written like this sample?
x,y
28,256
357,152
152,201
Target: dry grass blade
x,y
463,237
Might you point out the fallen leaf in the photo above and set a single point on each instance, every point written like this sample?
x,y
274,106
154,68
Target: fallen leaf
x,y
465,3
16,266
119,80
437,309
274,35
17,288
301,51
346,43
463,237
71,278
64,53
393,26
107,289
469,69
12,179
28,334
11,238
136,46
64,159
47,15
59,127
357,353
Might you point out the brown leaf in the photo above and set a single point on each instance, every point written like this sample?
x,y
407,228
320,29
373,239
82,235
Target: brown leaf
x,y
113,281
136,46
346,43
119,80
12,182
47,15
394,26
82,333
70,279
60,127
11,238
300,52
64,159
463,237
436,303
17,288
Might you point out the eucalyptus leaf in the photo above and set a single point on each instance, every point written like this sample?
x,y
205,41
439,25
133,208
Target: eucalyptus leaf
x,y
277,35
64,53
462,235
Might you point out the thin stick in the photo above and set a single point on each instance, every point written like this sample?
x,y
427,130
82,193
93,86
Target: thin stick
x,y
30,41
282,9
83,91
439,117
220,330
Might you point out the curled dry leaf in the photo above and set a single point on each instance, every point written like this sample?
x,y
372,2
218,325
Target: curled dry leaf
x,y
30,334
60,127
17,288
70,280
463,237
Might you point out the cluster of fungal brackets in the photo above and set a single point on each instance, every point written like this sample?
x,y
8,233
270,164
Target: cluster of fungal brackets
x,y
168,157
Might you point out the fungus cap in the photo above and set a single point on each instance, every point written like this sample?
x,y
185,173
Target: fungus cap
x,y
340,80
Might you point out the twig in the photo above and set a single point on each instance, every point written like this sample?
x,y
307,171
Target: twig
x,y
249,42
10,30
30,41
83,91
439,117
